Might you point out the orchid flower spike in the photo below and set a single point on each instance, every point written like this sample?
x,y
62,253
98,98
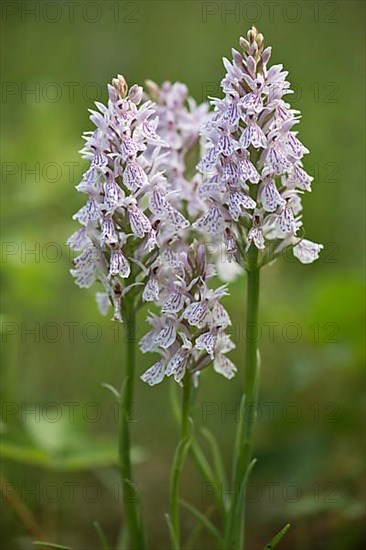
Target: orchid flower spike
x,y
189,331
253,175
126,202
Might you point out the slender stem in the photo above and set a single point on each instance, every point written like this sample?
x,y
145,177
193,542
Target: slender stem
x,y
130,493
179,458
234,534
198,456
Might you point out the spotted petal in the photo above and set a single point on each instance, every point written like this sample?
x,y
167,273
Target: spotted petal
x,y
223,365
154,375
166,336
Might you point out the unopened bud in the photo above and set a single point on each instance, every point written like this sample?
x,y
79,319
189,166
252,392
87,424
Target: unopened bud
x,y
152,89
253,50
120,85
135,94
260,40
251,36
244,44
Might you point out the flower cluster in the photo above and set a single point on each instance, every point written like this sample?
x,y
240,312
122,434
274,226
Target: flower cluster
x,y
189,333
141,193
180,123
126,197
253,171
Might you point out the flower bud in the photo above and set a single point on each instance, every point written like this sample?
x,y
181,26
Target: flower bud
x,y
152,89
260,40
244,44
135,94
251,35
120,85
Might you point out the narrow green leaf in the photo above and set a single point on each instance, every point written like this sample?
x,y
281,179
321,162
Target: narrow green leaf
x,y
238,500
203,520
202,462
178,459
112,389
277,538
191,542
88,458
246,475
51,545
101,535
216,455
173,536
206,470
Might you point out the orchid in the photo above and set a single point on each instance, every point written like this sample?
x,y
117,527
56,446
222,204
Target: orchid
x,y
188,333
186,302
119,228
180,124
127,210
253,175
146,232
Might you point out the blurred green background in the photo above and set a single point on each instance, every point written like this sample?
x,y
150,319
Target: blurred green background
x,y
58,463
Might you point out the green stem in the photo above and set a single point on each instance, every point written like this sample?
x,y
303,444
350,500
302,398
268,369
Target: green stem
x,y
198,456
130,493
179,458
234,533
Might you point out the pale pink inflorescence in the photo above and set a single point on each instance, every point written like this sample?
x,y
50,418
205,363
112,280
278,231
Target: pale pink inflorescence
x,y
126,197
141,193
189,331
253,172
133,232
180,123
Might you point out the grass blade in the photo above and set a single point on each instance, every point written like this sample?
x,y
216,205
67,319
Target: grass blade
x,y
173,537
203,520
101,535
51,545
216,455
277,538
